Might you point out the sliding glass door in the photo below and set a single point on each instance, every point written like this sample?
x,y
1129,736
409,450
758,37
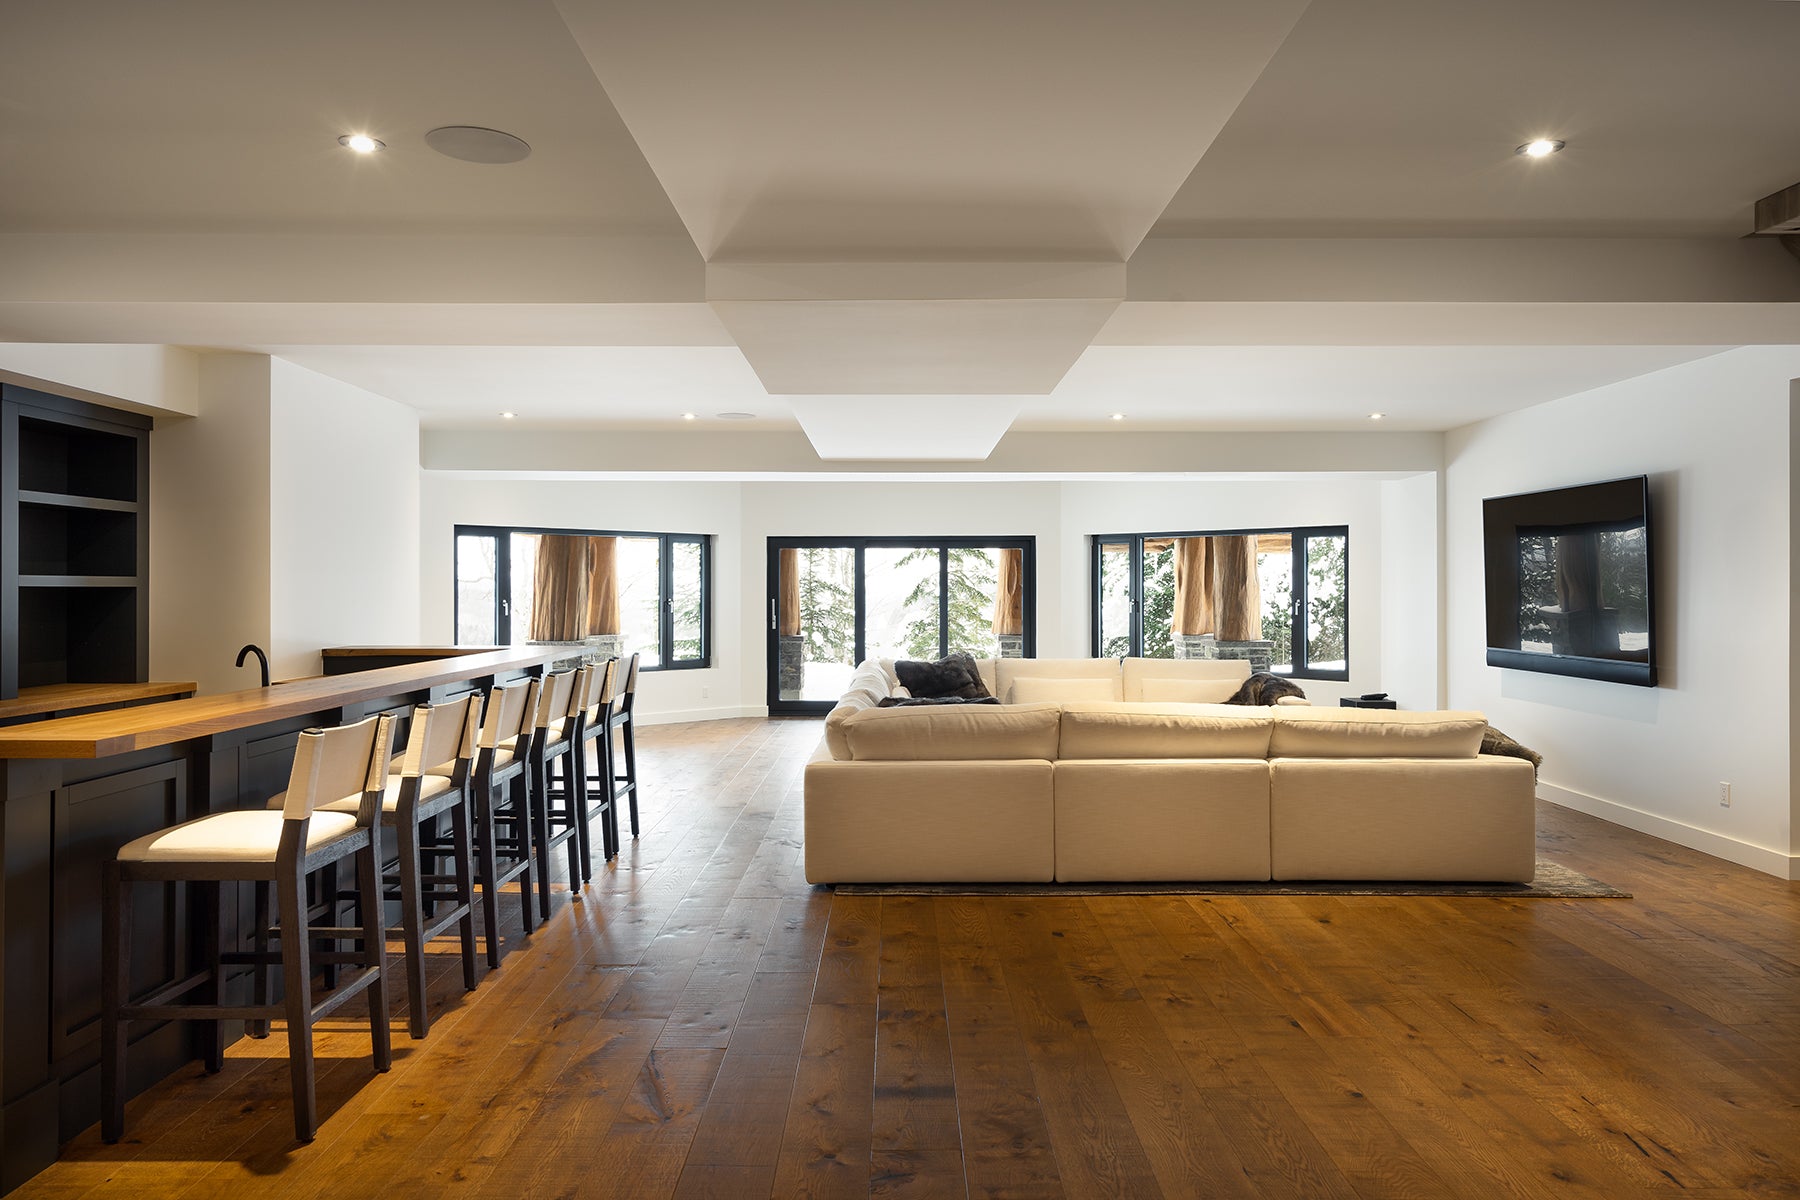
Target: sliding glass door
x,y
834,602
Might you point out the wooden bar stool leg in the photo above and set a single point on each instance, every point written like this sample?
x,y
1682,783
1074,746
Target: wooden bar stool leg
x,y
259,1027
577,810
211,902
465,888
576,772
296,986
523,823
487,868
328,891
541,835
374,941
412,917
115,971
630,739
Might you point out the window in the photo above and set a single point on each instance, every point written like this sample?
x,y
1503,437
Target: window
x,y
649,590
834,602
1288,587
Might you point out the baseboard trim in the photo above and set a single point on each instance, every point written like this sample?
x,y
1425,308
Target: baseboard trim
x,y
1760,858
682,716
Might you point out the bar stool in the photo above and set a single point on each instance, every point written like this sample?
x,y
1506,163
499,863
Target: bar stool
x,y
433,780
503,796
280,846
557,814
622,719
594,734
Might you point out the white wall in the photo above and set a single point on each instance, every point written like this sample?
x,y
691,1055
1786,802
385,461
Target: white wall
x,y
343,519
1411,592
1713,436
209,528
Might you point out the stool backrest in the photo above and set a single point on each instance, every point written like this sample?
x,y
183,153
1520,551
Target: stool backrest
x,y
554,695
601,681
509,709
331,764
442,738
631,679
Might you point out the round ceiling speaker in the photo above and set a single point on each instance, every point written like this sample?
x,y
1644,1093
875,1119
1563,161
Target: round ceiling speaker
x,y
472,143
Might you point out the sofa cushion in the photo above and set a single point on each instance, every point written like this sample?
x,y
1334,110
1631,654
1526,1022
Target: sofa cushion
x,y
955,674
963,731
1007,671
1144,730
1134,672
1036,690
1187,691
1374,733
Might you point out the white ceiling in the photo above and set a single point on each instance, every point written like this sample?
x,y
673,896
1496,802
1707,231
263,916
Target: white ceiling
x,y
838,158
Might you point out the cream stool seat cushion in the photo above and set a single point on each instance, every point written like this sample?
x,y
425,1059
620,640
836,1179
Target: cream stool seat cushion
x,y
429,786
249,836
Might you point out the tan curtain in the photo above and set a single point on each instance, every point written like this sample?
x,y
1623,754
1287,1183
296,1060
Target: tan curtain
x,y
788,567
603,587
559,597
1237,594
1009,593
1193,587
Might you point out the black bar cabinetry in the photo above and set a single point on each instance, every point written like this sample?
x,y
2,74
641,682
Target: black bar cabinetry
x,y
75,789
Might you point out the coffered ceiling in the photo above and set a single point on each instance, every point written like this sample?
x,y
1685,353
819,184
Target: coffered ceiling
x,y
823,213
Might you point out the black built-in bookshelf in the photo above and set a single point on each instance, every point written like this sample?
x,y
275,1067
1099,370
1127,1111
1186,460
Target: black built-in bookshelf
x,y
74,542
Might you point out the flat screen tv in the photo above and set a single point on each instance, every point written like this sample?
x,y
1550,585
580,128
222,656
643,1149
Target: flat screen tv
x,y
1570,582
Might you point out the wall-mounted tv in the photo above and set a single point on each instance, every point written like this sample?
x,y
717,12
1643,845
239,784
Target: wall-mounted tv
x,y
1570,582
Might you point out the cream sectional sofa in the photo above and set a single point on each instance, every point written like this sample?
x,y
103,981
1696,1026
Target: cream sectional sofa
x,y
1119,787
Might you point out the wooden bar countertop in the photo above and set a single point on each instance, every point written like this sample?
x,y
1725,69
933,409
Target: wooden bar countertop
x,y
63,696
120,731
415,651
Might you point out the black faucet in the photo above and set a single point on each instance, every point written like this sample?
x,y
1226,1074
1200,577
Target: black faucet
x,y
260,657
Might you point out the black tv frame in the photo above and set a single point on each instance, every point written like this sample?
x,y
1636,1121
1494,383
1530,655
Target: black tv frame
x,y
1607,670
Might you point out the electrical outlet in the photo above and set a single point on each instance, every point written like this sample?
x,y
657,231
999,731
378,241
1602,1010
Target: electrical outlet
x,y
1724,795
706,694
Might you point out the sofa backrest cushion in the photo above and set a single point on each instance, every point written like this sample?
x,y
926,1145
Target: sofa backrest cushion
x,y
1187,691
1144,730
1008,670
1375,733
1135,671
963,731
1039,689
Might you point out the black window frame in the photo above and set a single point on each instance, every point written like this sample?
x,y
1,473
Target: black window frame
x,y
1301,534
1027,545
665,585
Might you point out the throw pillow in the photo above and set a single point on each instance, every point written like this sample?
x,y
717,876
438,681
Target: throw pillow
x,y
1190,691
952,675
924,701
1034,689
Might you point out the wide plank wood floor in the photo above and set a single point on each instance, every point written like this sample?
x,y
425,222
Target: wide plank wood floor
x,y
704,1023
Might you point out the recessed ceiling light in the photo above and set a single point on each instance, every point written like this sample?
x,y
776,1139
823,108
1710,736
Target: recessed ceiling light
x,y
507,416
1376,416
362,143
473,143
1540,147
1118,416
688,417
735,416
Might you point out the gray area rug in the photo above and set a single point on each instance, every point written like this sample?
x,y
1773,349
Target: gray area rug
x,y
1553,882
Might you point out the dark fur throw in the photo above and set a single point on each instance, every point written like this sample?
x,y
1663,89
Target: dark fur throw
x,y
922,702
1495,742
952,675
1264,688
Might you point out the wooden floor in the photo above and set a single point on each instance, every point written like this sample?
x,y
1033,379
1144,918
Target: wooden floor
x,y
706,1024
